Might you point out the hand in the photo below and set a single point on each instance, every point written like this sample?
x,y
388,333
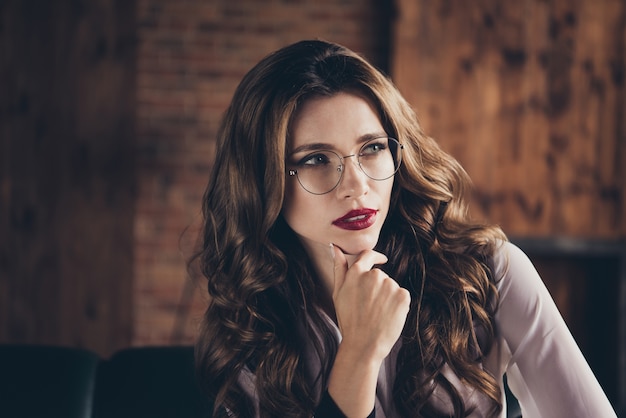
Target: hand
x,y
371,310
371,307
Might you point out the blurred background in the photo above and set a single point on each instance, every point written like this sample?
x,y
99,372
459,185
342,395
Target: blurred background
x,y
108,116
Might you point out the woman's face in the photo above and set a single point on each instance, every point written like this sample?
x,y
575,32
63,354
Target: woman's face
x,y
351,215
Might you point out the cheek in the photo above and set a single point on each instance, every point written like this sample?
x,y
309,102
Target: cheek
x,y
301,210
385,192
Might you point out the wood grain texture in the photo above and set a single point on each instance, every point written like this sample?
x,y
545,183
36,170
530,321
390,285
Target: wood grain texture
x,y
66,206
530,97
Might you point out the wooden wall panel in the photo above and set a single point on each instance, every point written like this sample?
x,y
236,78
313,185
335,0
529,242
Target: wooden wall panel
x,y
67,175
530,97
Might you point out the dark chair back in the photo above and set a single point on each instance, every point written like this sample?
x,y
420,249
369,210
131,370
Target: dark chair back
x,y
44,381
156,382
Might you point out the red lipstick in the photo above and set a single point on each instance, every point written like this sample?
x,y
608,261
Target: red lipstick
x,y
356,219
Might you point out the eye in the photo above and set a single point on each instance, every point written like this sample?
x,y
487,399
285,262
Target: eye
x,y
317,159
374,147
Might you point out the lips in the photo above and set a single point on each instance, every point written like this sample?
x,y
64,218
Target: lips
x,y
356,219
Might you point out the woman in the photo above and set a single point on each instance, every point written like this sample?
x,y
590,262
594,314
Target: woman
x,y
345,278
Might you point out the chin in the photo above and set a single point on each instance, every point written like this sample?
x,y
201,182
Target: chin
x,y
355,247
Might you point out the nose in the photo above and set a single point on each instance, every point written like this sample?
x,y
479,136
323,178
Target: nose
x,y
354,182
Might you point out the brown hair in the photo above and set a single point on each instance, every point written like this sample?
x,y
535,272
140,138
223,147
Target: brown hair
x,y
258,273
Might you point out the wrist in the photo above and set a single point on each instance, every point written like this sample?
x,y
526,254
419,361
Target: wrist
x,y
353,380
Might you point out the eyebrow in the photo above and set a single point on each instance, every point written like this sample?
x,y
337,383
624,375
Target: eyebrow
x,y
316,146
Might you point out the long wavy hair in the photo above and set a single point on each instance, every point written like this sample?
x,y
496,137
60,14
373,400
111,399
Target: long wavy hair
x,y
263,309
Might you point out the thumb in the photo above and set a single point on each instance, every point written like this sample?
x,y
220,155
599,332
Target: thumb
x,y
340,267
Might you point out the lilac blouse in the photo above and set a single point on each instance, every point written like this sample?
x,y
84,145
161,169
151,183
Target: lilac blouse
x,y
545,369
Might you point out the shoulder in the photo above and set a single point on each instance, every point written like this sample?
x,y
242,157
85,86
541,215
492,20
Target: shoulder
x,y
526,309
516,276
509,260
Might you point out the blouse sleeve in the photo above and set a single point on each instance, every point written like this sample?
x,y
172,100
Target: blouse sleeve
x,y
327,408
547,371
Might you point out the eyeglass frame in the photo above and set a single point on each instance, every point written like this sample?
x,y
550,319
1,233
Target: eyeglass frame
x,y
341,168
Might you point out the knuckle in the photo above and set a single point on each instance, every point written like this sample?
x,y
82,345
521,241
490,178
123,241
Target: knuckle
x,y
389,285
404,296
388,281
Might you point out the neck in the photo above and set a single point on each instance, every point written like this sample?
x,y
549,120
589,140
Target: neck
x,y
321,256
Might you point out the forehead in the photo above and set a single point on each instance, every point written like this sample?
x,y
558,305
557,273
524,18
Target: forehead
x,y
338,118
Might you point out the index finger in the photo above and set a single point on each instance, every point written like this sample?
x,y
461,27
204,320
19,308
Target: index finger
x,y
367,259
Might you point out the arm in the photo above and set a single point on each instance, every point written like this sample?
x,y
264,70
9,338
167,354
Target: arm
x,y
547,372
371,310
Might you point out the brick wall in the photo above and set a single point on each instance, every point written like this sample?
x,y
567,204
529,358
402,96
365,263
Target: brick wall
x,y
191,56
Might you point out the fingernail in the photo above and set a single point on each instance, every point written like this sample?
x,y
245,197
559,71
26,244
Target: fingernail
x,y
332,250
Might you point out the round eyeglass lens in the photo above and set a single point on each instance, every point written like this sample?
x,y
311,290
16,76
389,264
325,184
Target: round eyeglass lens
x,y
380,158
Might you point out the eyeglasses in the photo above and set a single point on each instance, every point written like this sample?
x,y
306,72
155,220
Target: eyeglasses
x,y
321,171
